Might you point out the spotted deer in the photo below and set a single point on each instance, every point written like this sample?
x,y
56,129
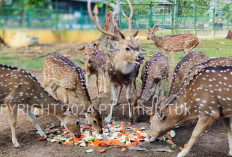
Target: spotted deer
x,y
153,72
63,73
206,98
221,61
96,65
123,62
182,68
19,90
173,43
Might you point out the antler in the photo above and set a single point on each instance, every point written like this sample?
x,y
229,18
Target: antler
x,y
137,31
129,19
97,25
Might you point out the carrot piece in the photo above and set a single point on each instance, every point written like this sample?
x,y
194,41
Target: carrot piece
x,y
42,139
102,150
123,149
76,139
170,143
168,133
68,143
185,145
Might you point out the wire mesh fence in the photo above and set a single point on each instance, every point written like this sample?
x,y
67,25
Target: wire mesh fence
x,y
166,16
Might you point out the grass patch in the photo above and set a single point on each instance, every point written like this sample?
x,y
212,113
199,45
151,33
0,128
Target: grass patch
x,y
212,48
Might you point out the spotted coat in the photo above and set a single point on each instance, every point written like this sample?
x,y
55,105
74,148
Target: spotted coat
x,y
182,68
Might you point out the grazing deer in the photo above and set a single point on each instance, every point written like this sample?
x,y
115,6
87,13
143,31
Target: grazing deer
x,y
20,90
153,72
182,68
63,73
123,63
173,43
207,98
95,65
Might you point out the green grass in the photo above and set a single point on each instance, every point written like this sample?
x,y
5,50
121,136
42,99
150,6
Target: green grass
x,y
212,48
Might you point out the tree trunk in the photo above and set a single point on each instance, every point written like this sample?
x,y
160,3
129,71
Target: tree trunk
x,y
111,22
229,35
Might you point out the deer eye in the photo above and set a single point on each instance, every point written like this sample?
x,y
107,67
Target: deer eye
x,y
95,122
77,123
127,49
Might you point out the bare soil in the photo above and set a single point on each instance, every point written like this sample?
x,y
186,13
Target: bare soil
x,y
212,143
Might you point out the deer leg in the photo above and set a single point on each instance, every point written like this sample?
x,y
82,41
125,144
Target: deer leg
x,y
98,92
114,102
87,79
128,89
202,124
104,81
65,95
12,117
32,118
53,91
101,81
45,81
228,127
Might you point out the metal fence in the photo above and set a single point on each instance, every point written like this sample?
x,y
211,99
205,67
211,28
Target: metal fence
x,y
167,16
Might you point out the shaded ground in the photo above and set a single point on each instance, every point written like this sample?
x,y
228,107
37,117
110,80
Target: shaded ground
x,y
212,143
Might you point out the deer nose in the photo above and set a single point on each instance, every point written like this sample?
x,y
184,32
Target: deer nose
x,y
140,57
100,132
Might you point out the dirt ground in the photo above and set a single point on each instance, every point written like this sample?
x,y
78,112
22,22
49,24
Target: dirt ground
x,y
212,143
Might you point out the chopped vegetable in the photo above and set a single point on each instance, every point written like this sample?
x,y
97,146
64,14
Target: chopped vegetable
x,y
102,150
89,150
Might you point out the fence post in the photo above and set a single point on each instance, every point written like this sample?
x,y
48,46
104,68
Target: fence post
x,y
150,14
228,20
195,19
173,7
28,18
214,11
213,17
57,16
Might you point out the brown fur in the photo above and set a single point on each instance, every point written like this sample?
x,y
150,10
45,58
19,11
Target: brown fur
x,y
20,90
173,43
206,98
95,65
65,74
182,68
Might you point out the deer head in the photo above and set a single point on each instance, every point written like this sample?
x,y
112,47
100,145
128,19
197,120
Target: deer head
x,y
128,49
89,51
71,122
151,32
94,118
158,119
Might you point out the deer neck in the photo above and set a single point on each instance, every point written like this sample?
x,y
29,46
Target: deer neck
x,y
47,103
122,65
180,111
157,40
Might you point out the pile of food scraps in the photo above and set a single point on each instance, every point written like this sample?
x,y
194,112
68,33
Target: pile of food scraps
x,y
119,135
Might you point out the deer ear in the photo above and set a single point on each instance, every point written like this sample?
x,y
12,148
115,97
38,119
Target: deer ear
x,y
68,111
90,109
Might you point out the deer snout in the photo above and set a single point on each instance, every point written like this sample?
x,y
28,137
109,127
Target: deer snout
x,y
140,57
90,61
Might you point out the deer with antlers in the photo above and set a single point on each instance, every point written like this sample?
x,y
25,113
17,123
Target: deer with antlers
x,y
173,43
96,65
207,98
182,68
153,72
123,62
19,90
63,73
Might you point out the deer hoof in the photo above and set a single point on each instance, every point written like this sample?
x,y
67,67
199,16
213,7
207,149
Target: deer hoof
x,y
18,146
